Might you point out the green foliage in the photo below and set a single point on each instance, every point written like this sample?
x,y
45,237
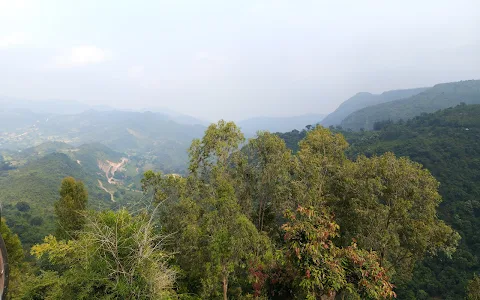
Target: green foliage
x,y
215,148
116,256
473,288
292,138
324,269
447,144
15,257
262,179
12,243
36,184
213,239
70,208
225,220
212,211
390,204
22,206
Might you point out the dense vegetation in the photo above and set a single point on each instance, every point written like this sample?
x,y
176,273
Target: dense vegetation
x,y
28,193
29,206
248,222
438,97
447,144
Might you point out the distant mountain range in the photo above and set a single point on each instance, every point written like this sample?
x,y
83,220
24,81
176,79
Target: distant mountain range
x,y
68,107
430,100
164,136
136,133
278,124
364,99
363,110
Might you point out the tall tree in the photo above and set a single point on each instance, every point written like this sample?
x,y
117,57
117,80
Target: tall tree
x,y
70,207
212,238
264,179
389,204
319,164
214,149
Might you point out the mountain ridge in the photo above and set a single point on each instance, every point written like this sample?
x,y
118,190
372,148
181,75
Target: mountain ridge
x,y
438,97
366,99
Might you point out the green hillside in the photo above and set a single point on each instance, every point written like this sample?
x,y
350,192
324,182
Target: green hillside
x,y
28,194
362,100
438,97
34,182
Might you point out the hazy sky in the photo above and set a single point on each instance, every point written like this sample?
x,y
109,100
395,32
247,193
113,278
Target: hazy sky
x,y
233,59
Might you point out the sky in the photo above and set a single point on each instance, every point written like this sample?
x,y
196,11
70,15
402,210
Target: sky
x,y
233,59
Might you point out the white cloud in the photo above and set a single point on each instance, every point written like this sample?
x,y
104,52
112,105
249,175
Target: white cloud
x,y
12,40
81,56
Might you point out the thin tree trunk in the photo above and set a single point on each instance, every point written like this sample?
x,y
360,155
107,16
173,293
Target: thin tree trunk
x,y
225,287
260,221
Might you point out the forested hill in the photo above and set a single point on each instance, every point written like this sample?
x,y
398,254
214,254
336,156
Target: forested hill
x,y
362,100
30,181
28,194
448,144
438,97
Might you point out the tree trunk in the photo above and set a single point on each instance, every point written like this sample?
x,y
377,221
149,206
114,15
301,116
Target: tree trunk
x,y
225,287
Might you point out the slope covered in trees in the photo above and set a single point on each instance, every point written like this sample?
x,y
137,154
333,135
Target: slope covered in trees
x,y
28,194
448,144
362,100
30,185
438,97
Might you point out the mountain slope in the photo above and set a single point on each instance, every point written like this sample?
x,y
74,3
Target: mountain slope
x,y
36,184
438,97
111,179
278,124
362,100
